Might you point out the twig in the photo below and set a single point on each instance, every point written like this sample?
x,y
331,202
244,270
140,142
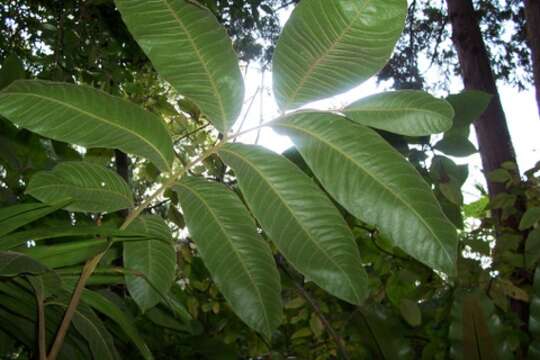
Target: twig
x,y
192,132
252,100
261,105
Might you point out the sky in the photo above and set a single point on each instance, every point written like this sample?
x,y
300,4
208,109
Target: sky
x,y
519,106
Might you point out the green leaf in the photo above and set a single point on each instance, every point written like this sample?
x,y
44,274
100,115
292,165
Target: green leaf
x,y
407,112
456,146
300,220
12,69
93,188
238,259
44,233
85,116
468,106
382,334
476,332
86,322
16,216
376,184
192,51
153,257
329,47
66,254
13,264
106,307
530,218
411,312
532,248
534,318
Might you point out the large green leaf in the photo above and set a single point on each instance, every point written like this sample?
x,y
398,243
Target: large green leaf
x,y
300,219
153,257
407,112
66,254
91,328
93,188
376,184
85,116
534,318
468,106
106,307
381,333
44,233
238,259
328,47
191,50
13,264
16,216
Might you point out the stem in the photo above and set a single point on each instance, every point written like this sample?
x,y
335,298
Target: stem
x,y
316,308
72,307
261,107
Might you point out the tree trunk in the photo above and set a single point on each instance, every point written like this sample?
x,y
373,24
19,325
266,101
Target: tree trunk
x,y
532,13
491,128
121,161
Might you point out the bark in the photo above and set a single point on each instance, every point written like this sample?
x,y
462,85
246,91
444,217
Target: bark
x,y
491,128
532,14
122,168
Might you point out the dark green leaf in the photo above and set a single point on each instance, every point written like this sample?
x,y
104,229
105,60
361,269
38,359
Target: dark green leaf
x,y
16,216
13,264
121,318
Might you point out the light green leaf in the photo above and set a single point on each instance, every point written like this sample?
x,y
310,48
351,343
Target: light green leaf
x,y
407,112
530,218
328,47
13,264
103,305
85,116
238,259
192,51
300,220
93,188
16,216
376,184
154,257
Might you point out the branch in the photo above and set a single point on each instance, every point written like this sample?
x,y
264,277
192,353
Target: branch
x,y
72,307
